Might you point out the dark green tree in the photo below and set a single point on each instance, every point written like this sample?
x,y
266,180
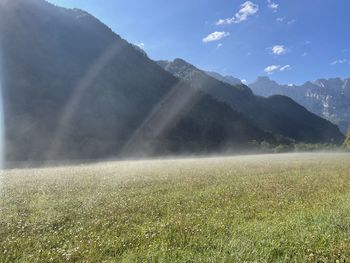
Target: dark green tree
x,y
347,140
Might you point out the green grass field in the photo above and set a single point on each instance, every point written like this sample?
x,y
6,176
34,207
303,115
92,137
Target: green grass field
x,y
268,208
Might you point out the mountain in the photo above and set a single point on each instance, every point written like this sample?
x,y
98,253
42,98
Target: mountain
x,y
73,89
228,79
277,114
328,98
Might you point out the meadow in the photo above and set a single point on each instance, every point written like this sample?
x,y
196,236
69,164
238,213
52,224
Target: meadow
x,y
267,208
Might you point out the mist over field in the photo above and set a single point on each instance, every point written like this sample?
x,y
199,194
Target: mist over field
x,y
272,208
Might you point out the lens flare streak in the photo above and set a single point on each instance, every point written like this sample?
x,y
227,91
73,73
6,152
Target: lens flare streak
x,y
73,102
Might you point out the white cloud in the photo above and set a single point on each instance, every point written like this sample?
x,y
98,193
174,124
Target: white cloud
x,y
339,61
215,36
219,45
284,20
140,45
244,81
272,5
273,68
247,9
278,50
285,68
291,22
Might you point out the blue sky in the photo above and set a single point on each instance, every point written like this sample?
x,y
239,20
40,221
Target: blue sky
x,y
291,41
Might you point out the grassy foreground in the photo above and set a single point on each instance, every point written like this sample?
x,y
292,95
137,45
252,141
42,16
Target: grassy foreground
x,y
269,208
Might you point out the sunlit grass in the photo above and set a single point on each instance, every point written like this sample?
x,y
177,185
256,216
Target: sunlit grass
x,y
269,208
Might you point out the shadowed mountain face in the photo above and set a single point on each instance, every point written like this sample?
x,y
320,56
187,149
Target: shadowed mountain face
x,y
328,98
278,114
73,89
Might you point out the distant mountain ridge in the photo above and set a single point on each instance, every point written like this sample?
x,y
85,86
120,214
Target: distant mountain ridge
x,y
328,98
228,79
278,114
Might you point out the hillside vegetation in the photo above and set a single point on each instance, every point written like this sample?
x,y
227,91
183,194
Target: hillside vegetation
x,y
328,98
268,208
347,140
278,114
